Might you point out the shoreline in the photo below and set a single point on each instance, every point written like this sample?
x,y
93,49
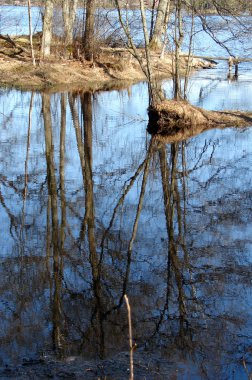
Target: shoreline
x,y
113,69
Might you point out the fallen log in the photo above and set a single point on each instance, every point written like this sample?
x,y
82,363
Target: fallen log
x,y
13,43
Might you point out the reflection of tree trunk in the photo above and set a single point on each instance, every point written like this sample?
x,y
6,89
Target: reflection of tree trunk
x,y
62,176
86,102
48,242
88,181
170,202
52,194
76,124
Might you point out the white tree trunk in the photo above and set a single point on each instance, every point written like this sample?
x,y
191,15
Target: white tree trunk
x,y
69,8
47,29
159,28
30,32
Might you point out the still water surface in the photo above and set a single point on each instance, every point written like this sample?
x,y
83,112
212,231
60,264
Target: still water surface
x,y
91,208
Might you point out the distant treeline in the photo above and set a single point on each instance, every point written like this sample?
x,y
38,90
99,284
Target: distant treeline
x,y
207,5
105,3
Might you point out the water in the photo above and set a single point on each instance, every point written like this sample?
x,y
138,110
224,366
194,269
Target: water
x,y
68,248
91,208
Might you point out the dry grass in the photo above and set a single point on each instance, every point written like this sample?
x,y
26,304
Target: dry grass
x,y
111,65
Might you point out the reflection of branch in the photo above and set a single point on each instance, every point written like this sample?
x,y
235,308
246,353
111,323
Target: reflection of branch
x,y
120,202
13,220
135,227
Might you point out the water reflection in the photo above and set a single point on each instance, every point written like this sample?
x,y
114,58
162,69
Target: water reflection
x,y
93,208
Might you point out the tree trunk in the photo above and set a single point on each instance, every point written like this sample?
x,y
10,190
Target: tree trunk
x,y
30,33
156,40
69,12
88,40
178,42
47,29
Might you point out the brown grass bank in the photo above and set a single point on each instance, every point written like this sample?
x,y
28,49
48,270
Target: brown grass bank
x,y
112,67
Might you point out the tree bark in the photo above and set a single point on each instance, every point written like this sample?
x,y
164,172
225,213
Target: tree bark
x,y
178,42
30,33
69,12
156,40
47,29
88,40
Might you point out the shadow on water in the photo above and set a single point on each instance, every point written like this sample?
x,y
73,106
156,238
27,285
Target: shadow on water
x,y
101,217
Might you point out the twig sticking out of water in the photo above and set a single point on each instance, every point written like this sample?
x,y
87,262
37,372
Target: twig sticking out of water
x,y
130,338
246,369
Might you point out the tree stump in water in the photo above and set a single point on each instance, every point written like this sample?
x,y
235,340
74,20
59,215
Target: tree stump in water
x,y
180,118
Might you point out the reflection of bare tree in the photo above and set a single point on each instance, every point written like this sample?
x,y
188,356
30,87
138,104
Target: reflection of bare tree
x,y
88,224
171,205
141,246
55,238
175,216
86,102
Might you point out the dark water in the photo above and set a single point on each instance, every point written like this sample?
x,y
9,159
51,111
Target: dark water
x,y
92,209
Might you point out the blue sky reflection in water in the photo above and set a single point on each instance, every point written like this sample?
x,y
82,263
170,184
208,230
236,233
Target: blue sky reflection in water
x,y
189,280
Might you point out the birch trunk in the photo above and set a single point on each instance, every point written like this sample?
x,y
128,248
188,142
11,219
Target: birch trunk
x,y
69,8
159,27
47,29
